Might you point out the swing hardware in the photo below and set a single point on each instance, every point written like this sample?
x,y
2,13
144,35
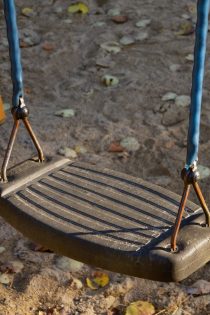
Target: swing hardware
x,y
102,217
190,177
19,113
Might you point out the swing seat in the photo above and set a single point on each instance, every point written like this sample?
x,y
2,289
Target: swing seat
x,y
104,218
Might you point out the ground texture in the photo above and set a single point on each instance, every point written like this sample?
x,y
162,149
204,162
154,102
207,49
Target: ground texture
x,y
64,61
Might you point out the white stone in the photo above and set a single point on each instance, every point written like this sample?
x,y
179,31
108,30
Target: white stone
x,y
170,96
182,100
143,23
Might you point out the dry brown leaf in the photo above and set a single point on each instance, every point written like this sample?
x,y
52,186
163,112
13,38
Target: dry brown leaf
x,y
40,248
48,46
115,147
2,112
120,19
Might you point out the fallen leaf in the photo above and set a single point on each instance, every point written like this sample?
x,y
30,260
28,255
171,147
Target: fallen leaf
x,y
98,280
186,28
27,12
110,80
112,47
2,112
192,8
27,90
48,46
80,149
140,308
78,7
114,311
90,284
115,147
40,248
120,19
101,279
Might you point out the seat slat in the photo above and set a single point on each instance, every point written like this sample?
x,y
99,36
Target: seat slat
x,y
142,185
108,196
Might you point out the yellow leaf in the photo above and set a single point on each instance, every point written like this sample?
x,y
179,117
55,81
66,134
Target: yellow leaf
x,y
186,28
78,7
101,279
27,11
90,284
140,308
98,280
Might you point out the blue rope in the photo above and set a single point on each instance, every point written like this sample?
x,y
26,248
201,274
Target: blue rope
x,y
14,49
197,82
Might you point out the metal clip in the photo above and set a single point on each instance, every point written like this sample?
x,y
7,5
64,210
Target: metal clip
x,y
19,113
190,177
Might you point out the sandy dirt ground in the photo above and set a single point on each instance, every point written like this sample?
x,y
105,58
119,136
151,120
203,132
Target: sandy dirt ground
x,y
64,61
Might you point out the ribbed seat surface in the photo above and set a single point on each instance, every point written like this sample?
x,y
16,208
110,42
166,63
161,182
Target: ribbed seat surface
x,y
99,216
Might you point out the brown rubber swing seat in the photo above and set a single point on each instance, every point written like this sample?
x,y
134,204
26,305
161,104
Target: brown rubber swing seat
x,y
104,218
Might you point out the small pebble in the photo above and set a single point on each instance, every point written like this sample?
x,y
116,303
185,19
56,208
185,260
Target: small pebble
x,y
170,96
186,16
111,47
65,113
190,57
68,153
127,40
68,264
4,278
76,284
114,12
174,67
143,23
131,144
183,100
29,38
110,80
2,249
99,24
141,36
204,171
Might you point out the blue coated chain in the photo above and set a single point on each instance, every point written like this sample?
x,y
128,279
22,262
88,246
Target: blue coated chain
x,y
197,82
14,49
